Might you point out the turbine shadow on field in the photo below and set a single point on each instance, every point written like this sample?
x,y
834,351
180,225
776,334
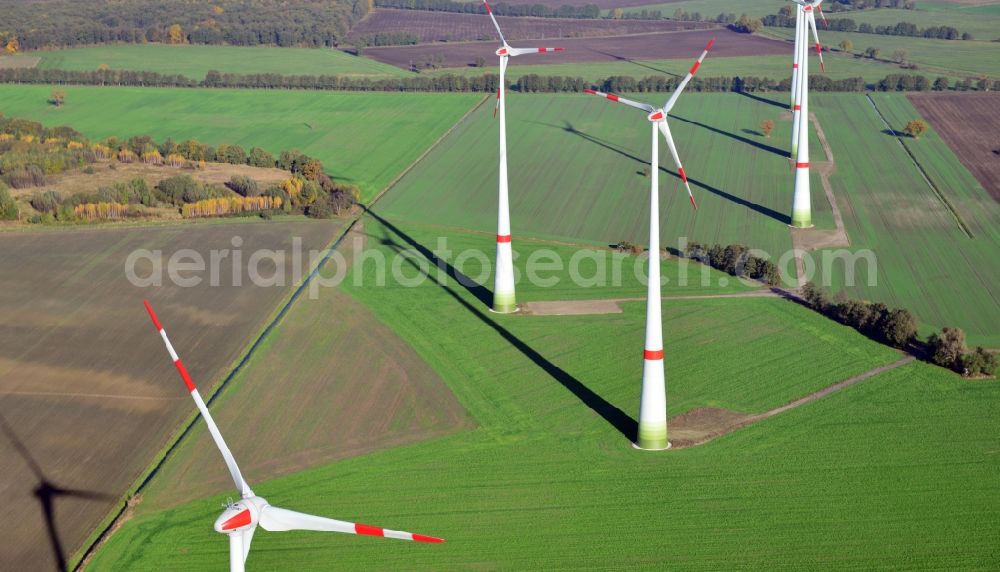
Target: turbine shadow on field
x,y
762,146
46,492
766,100
634,62
614,416
784,219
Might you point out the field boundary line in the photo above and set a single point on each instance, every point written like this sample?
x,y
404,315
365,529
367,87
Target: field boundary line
x,y
111,523
426,152
937,192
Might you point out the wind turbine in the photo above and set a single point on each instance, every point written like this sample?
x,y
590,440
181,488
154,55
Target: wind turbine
x,y
653,404
504,300
240,520
805,20
801,40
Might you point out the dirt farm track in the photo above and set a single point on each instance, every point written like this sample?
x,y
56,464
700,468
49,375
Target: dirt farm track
x,y
970,124
86,389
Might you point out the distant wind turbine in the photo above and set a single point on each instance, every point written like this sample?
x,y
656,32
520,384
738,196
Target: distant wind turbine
x,y
504,299
805,20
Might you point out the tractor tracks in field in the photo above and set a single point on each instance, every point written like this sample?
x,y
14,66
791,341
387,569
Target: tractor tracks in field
x,y
706,424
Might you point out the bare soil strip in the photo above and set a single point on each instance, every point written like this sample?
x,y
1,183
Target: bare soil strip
x,y
613,305
703,425
804,240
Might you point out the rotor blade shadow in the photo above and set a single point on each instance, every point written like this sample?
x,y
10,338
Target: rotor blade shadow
x,y
613,415
782,218
46,492
766,100
762,146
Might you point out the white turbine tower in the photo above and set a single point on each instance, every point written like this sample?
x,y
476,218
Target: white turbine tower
x,y
652,433
805,20
240,520
504,300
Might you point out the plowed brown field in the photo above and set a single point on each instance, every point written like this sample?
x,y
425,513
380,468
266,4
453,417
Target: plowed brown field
x,y
579,50
450,27
85,383
970,124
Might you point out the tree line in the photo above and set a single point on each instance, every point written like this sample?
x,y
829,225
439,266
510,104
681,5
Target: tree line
x,y
486,83
66,23
588,11
735,260
900,29
898,328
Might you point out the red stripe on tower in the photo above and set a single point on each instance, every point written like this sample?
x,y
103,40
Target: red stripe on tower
x,y
652,355
684,177
798,107
368,530
503,238
802,165
795,66
184,375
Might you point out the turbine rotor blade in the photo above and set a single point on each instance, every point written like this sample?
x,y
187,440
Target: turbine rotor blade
x,y
665,130
247,539
227,456
687,78
522,51
811,18
636,104
274,519
495,25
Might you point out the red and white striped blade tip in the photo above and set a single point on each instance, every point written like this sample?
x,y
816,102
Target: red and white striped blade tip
x,y
368,530
693,203
152,315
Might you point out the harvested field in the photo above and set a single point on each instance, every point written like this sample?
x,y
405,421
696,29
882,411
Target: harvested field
x,y
970,125
452,27
77,181
8,62
668,45
85,384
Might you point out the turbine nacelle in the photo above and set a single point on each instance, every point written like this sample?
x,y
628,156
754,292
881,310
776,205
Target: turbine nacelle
x,y
657,115
503,51
240,516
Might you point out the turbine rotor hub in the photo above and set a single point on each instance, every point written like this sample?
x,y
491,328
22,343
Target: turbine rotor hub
x,y
240,516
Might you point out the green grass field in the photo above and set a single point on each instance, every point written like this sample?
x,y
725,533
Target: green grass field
x,y
196,61
925,261
365,139
775,67
712,8
980,25
933,57
576,173
546,481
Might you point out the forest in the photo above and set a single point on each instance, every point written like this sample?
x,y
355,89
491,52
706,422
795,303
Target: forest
x,y
65,23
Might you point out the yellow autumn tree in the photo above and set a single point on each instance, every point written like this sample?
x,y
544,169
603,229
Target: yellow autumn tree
x,y
176,34
13,46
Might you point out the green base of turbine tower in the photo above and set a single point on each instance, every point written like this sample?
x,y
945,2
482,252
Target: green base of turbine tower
x,y
652,438
504,304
